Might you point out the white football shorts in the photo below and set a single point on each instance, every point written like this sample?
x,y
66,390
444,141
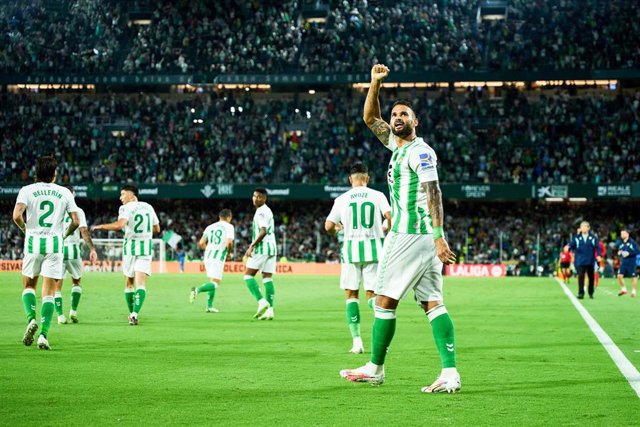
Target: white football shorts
x,y
134,263
214,268
352,274
264,263
409,262
47,265
74,267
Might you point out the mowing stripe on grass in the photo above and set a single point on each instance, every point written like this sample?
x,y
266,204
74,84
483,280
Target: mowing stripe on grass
x,y
628,370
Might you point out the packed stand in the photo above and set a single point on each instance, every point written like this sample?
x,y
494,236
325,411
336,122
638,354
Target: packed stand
x,y
553,138
217,37
410,36
557,138
265,36
566,34
81,36
144,139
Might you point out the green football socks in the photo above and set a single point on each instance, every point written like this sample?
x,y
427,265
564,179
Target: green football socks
x,y
46,314
371,301
29,303
384,327
128,297
138,300
252,284
442,328
353,316
76,293
269,290
57,299
211,288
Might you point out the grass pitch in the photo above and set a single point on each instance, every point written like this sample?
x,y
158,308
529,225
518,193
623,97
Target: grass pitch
x,y
525,355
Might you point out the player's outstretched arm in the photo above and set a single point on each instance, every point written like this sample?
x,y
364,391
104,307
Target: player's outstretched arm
x,y
434,203
113,226
372,116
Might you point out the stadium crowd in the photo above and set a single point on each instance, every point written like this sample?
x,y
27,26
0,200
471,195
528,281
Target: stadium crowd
x,y
188,140
566,34
475,231
218,137
91,36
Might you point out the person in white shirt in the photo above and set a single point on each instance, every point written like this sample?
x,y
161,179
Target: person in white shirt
x,y
217,242
358,215
46,205
261,256
139,222
72,254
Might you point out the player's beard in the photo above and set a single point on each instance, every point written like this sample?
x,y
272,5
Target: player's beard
x,y
406,130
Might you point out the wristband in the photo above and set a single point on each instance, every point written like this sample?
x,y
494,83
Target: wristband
x,y
437,232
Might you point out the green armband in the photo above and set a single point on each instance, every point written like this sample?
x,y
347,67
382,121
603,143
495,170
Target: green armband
x,y
437,232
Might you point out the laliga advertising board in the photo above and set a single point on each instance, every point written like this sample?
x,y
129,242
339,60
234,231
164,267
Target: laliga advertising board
x,y
476,270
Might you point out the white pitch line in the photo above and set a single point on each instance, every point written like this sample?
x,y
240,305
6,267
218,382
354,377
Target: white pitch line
x,y
626,368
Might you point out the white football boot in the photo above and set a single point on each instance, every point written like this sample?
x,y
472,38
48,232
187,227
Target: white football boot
x,y
363,374
263,306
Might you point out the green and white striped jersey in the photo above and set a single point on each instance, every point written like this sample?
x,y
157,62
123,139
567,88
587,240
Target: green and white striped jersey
x,y
360,210
218,235
47,206
138,233
264,218
412,164
72,243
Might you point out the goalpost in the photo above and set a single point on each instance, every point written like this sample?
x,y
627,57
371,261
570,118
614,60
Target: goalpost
x,y
111,250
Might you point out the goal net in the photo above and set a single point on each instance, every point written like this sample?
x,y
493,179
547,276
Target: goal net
x,y
110,255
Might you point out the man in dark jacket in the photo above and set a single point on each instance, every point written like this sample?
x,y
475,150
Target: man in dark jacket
x,y
627,250
585,247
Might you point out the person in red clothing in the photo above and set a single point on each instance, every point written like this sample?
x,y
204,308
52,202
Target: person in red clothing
x,y
599,267
565,265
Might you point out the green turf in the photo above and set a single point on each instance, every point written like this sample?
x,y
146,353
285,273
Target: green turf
x,y
525,355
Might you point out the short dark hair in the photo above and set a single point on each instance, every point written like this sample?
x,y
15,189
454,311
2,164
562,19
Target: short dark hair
x,y
225,213
131,188
46,168
404,102
261,190
358,168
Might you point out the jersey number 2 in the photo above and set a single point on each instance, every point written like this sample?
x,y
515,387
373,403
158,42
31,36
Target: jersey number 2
x,y
47,206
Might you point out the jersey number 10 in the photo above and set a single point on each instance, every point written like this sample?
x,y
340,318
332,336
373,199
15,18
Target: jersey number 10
x,y
366,214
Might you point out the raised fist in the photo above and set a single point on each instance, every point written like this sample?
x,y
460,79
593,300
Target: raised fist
x,y
379,72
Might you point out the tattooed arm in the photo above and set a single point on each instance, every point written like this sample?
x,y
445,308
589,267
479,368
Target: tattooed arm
x,y
372,116
434,204
86,236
